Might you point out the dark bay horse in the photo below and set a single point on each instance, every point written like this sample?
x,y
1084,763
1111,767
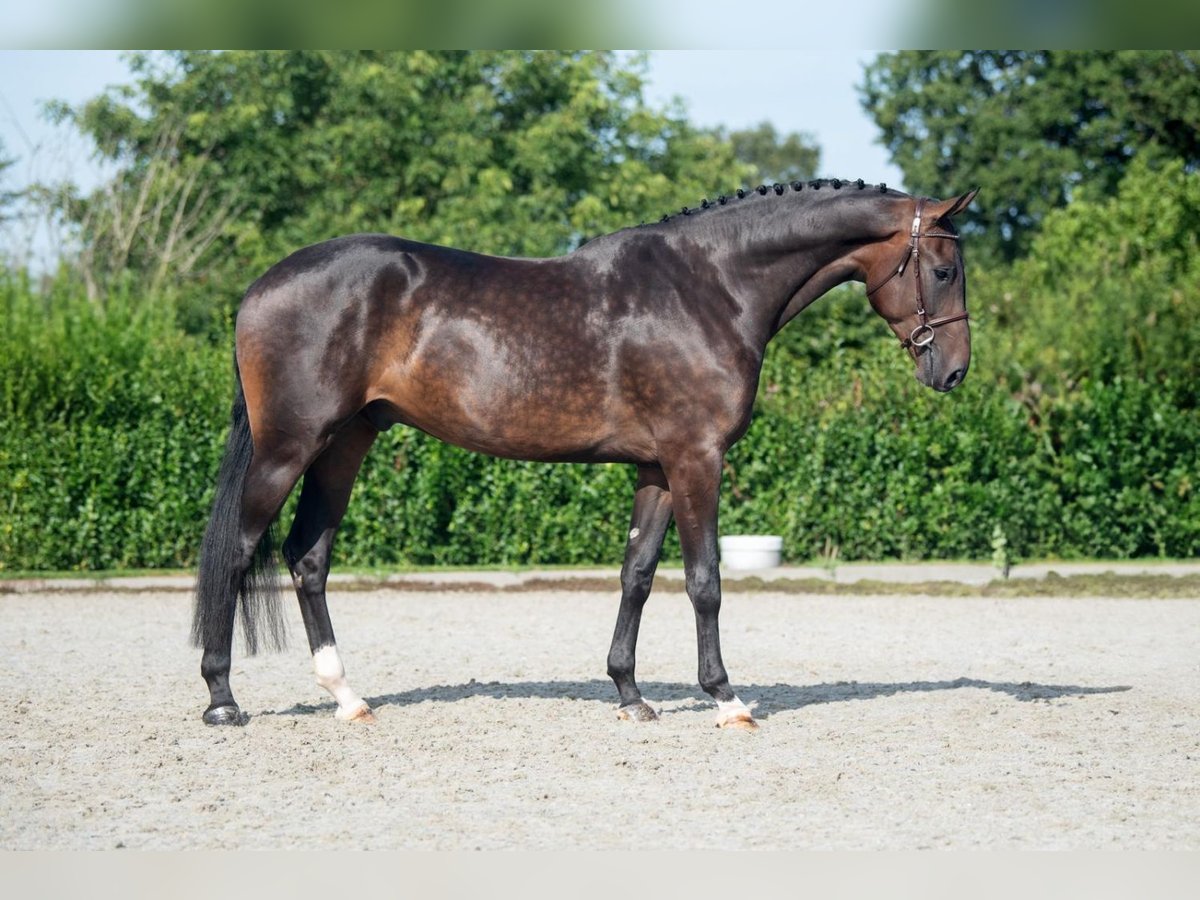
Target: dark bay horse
x,y
643,346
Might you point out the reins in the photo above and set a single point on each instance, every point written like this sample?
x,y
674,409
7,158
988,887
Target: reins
x,y
923,334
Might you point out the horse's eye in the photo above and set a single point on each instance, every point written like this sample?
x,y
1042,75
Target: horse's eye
x,y
943,273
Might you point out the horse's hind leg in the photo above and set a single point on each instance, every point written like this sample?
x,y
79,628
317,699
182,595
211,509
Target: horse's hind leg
x,y
651,515
269,478
307,550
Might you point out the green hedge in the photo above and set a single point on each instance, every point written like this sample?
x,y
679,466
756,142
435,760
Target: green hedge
x,y
116,467
113,423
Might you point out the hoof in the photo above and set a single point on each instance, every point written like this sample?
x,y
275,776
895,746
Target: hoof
x,y
637,712
742,722
735,714
225,715
361,714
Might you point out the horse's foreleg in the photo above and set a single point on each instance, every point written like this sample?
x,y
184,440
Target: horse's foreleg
x,y
651,515
308,548
694,481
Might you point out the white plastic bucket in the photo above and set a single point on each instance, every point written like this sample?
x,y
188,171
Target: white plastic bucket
x,y
751,551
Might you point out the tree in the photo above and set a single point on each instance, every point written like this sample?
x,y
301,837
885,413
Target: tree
x,y
1109,288
157,219
775,157
518,153
1032,129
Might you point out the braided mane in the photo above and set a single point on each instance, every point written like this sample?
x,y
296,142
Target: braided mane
x,y
778,189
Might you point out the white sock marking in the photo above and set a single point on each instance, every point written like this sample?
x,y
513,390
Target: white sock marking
x,y
732,709
331,675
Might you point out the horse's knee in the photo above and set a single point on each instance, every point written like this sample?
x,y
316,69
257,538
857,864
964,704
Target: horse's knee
x,y
637,579
704,590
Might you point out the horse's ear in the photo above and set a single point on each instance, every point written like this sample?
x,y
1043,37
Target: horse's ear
x,y
948,209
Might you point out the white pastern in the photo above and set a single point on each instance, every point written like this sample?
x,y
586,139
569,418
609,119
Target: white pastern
x,y
331,675
732,711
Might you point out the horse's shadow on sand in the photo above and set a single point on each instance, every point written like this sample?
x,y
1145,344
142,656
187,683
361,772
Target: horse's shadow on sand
x,y
764,699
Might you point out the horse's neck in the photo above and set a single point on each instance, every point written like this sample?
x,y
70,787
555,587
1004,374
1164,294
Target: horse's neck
x,y
823,280
797,254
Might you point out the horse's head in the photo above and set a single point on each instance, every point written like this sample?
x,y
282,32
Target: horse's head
x,y
915,281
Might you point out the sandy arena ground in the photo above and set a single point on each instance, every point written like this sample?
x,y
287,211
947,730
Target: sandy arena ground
x,y
901,722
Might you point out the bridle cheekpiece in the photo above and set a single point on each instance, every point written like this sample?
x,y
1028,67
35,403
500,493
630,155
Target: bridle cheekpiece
x,y
923,334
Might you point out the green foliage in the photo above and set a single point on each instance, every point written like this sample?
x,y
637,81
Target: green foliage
x,y
110,428
1033,129
1109,288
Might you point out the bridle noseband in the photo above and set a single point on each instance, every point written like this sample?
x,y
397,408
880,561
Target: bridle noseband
x,y
922,335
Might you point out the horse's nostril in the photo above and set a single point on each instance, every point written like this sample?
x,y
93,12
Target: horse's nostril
x,y
955,379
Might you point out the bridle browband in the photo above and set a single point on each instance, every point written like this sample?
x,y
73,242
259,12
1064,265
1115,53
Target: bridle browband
x,y
922,335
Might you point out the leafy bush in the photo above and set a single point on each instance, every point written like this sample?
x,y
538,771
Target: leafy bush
x,y
111,432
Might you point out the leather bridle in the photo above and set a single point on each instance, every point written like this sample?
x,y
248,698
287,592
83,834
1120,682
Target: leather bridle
x,y
923,334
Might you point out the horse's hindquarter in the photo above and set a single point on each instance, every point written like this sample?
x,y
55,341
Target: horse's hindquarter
x,y
572,358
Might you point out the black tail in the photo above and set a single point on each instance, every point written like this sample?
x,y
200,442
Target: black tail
x,y
220,579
